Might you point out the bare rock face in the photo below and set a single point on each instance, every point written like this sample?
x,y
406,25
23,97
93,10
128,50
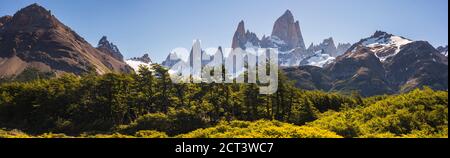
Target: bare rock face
x,y
418,64
145,59
32,17
4,20
443,50
383,45
359,71
239,35
35,38
243,39
109,48
327,47
342,48
288,30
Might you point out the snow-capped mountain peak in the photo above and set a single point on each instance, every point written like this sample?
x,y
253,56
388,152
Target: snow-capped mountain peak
x,y
384,45
137,62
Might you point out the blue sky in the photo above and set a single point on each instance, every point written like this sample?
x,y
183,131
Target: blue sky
x,y
158,26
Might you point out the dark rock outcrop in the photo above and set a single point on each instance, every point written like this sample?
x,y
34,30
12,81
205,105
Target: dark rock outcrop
x,y
145,59
342,48
327,47
443,50
109,48
243,39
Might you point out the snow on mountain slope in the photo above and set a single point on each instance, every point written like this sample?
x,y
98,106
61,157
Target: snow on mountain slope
x,y
384,45
319,59
135,63
276,41
249,45
443,50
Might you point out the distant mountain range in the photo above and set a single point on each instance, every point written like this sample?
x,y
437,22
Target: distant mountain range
x,y
380,64
287,38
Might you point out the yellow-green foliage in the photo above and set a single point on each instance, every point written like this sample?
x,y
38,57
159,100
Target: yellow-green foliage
x,y
156,121
13,134
19,134
52,135
115,135
77,106
151,134
420,113
259,129
140,134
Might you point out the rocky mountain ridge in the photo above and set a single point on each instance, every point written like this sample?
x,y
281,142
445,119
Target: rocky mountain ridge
x,y
380,64
34,38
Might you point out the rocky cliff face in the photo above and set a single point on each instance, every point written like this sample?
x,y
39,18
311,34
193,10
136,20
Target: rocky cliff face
x,y
417,64
243,39
34,38
288,30
239,37
327,47
109,48
443,50
359,71
342,48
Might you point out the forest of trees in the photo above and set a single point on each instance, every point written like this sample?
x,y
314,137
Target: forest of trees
x,y
147,104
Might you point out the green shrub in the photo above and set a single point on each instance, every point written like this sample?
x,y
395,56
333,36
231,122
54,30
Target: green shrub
x,y
420,113
151,134
13,134
52,135
259,129
156,121
115,135
183,121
